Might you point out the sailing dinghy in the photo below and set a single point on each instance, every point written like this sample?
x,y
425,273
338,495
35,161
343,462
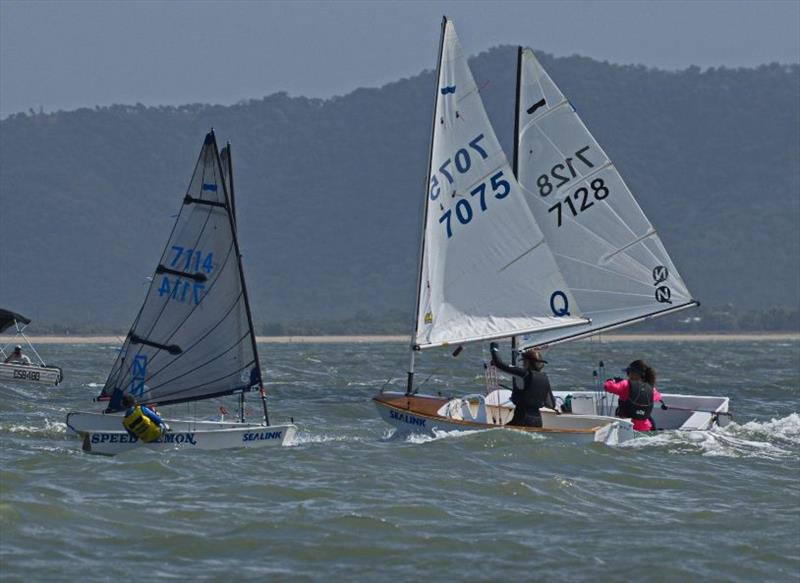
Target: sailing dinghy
x,y
616,269
193,337
486,270
27,370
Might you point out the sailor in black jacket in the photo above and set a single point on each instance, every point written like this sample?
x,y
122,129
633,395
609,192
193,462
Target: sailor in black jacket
x,y
535,391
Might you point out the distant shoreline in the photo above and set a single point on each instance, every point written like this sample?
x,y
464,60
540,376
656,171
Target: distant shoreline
x,y
403,339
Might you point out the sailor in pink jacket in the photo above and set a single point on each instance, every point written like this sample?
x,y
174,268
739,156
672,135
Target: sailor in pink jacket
x,y
637,395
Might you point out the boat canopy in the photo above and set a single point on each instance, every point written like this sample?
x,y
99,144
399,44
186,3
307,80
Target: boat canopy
x,y
9,318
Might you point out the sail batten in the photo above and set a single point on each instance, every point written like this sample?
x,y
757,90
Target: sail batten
x,y
615,268
193,337
486,270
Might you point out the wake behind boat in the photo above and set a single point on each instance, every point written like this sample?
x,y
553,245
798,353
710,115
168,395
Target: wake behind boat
x,y
193,338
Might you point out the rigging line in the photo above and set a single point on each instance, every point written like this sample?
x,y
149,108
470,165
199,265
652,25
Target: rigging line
x,y
608,270
165,253
198,367
216,380
607,257
513,261
643,216
199,340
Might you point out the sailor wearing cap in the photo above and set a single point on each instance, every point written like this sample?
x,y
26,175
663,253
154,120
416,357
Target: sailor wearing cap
x,y
535,391
17,357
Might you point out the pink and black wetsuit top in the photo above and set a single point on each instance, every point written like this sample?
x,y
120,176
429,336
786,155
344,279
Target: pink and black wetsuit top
x,y
622,389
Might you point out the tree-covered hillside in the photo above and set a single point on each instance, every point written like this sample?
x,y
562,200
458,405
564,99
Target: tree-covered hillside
x,y
329,191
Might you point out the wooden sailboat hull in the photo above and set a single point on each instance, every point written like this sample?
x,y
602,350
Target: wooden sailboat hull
x,y
31,373
244,436
422,414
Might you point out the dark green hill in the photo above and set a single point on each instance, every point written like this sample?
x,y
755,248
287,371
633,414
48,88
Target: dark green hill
x,y
329,191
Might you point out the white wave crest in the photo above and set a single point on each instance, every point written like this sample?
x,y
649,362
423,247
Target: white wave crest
x,y
304,438
763,439
786,428
50,428
439,434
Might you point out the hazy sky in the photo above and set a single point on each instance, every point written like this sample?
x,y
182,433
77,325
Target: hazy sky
x,y
70,54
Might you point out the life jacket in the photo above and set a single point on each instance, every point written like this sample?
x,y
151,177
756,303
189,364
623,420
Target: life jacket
x,y
535,392
141,425
639,404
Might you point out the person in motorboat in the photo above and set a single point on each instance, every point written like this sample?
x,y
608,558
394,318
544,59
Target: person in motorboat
x,y
142,422
535,391
637,394
17,357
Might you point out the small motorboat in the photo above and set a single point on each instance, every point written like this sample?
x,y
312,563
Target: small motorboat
x,y
16,366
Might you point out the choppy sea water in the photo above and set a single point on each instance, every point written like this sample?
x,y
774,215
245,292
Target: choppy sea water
x,y
348,501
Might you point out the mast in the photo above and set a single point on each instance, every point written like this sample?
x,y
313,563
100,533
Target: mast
x,y
229,169
413,350
514,168
232,218
230,181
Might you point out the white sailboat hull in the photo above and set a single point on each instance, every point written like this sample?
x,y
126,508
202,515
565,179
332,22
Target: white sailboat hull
x,y
244,436
31,373
684,412
103,434
428,415
84,421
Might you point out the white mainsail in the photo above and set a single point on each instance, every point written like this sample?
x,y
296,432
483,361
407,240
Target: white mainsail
x,y
614,264
192,338
486,269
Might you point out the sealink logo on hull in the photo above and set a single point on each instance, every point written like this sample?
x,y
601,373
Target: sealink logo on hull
x,y
406,418
262,435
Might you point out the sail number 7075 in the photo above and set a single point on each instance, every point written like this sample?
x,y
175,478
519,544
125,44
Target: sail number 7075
x,y
463,208
462,161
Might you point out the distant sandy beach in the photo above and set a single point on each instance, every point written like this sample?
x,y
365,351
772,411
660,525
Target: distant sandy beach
x,y
752,337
